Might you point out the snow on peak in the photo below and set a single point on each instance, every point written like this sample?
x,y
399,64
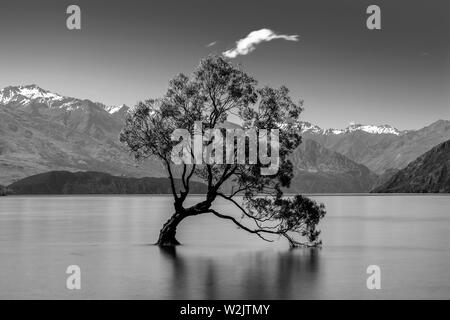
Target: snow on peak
x,y
32,94
372,129
334,131
114,109
22,95
311,128
383,129
29,91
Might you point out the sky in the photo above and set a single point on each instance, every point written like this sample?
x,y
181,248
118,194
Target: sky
x,y
127,51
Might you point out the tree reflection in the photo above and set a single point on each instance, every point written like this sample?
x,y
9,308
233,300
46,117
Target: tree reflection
x,y
289,274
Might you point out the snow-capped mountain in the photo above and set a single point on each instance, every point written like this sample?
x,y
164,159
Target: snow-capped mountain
x,y
309,128
34,95
380,148
383,129
115,109
24,95
43,131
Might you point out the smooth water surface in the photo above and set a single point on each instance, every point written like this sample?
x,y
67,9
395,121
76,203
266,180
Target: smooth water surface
x,y
109,238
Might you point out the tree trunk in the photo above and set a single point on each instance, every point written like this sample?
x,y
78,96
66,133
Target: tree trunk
x,y
168,231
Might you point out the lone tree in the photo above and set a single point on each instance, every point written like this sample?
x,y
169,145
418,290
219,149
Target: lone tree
x,y
216,90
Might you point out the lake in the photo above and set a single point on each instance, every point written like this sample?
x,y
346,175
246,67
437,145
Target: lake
x,y
110,237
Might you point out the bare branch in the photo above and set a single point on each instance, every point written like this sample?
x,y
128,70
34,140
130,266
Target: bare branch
x,y
257,232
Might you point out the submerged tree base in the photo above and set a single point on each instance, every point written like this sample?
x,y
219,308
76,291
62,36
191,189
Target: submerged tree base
x,y
167,234
167,243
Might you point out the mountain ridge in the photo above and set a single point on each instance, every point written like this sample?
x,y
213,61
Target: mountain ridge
x,y
48,133
382,152
429,173
307,127
320,170
91,182
41,131
24,95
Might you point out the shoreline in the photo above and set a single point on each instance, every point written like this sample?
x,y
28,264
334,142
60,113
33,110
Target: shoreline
x,y
200,194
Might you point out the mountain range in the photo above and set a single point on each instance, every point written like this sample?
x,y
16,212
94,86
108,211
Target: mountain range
x,y
42,131
320,170
380,148
64,182
427,174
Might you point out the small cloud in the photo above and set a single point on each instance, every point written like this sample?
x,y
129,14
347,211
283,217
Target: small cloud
x,y
248,44
352,123
211,44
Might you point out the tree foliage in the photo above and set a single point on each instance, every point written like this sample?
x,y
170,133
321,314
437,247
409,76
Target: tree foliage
x,y
216,90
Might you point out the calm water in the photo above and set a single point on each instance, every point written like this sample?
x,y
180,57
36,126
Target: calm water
x,y
109,237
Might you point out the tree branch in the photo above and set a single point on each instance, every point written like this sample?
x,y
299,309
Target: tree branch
x,y
172,182
255,231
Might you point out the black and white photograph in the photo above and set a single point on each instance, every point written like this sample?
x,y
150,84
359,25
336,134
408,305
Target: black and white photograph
x,y
224,151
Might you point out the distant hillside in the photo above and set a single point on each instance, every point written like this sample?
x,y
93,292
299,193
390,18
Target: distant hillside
x,y
429,173
319,170
64,182
383,178
4,190
41,131
380,148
